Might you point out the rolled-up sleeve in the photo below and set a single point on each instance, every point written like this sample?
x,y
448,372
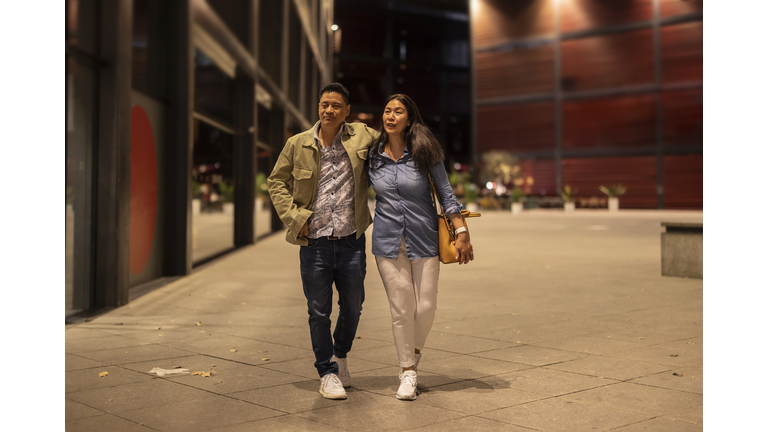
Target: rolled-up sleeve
x,y
443,186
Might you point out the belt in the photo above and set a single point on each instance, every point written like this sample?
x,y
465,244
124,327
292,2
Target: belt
x,y
351,236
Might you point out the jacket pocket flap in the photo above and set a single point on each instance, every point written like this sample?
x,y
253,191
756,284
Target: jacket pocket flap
x,y
301,173
363,154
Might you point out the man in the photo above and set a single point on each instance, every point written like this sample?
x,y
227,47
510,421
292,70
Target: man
x,y
327,215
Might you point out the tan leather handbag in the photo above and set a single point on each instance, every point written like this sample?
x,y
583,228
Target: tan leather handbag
x,y
446,231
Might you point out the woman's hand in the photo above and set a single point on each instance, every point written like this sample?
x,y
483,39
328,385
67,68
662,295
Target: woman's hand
x,y
464,249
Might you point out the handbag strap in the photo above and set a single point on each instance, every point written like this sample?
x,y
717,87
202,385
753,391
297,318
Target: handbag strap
x,y
439,209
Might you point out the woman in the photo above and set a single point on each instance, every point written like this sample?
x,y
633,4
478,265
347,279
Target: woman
x,y
405,239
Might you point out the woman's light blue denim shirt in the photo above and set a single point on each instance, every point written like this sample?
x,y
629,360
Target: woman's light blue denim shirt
x,y
404,205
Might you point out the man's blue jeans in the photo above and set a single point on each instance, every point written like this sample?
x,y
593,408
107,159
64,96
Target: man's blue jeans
x,y
323,263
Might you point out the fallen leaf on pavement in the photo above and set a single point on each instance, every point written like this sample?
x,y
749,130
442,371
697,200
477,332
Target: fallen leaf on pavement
x,y
677,374
642,337
198,323
161,335
673,355
265,358
233,350
177,367
157,328
103,374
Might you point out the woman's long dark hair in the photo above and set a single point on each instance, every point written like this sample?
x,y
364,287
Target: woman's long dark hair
x,y
419,139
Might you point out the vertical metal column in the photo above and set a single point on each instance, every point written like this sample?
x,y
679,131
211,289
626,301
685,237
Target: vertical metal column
x,y
659,107
473,93
558,101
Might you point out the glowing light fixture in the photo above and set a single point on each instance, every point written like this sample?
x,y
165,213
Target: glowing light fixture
x,y
334,27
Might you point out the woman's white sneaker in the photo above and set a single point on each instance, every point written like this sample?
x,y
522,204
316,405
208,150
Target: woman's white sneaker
x,y
407,390
331,387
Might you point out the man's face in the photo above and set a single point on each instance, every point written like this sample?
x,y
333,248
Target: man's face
x,y
332,110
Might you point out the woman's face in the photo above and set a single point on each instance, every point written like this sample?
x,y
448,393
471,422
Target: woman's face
x,y
395,118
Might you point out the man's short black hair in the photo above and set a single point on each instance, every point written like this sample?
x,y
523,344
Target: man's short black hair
x,y
336,88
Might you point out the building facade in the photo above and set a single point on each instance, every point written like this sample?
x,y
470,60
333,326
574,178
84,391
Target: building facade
x,y
592,92
176,112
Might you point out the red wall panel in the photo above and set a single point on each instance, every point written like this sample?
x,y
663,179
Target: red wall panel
x,y
519,127
668,8
544,173
587,14
682,51
495,21
683,117
504,73
616,60
684,182
628,121
638,174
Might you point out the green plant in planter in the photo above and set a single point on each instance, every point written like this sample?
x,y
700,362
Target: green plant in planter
x,y
568,193
227,192
261,185
614,191
517,194
470,193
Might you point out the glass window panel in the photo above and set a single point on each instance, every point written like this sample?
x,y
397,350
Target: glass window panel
x,y
212,191
81,106
214,90
263,208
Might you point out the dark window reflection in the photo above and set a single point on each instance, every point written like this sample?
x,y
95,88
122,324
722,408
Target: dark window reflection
x,y
213,190
214,90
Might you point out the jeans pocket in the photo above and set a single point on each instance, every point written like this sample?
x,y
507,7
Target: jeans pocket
x,y
311,243
356,243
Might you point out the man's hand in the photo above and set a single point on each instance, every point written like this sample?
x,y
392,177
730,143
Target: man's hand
x,y
304,231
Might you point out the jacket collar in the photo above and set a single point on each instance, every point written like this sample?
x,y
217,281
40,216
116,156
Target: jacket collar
x,y
346,129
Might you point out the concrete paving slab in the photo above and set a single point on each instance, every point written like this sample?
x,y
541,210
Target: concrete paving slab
x,y
477,395
306,367
551,382
144,394
652,401
462,344
135,354
298,397
227,377
285,423
74,362
661,424
589,344
532,355
380,413
81,332
470,424
385,381
100,343
691,415
468,367
558,415
106,422
75,410
609,367
87,379
689,379
687,352
204,414
247,350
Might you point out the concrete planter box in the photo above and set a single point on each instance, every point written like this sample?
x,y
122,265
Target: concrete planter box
x,y
569,207
613,204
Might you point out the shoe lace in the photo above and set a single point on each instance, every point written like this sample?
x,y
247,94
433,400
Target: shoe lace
x,y
334,381
409,380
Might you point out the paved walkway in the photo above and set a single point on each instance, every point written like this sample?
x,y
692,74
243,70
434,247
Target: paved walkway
x,y
563,323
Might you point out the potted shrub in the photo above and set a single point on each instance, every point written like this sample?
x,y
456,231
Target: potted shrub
x,y
228,196
517,204
470,196
613,192
567,196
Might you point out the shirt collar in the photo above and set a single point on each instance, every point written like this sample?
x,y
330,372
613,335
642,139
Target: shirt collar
x,y
342,131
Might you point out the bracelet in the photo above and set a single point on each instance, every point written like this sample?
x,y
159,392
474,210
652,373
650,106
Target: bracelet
x,y
461,230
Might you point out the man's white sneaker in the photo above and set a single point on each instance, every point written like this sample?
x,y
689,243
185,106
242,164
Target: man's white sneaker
x,y
346,380
407,390
331,387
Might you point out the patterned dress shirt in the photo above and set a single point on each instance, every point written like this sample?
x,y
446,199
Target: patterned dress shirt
x,y
333,213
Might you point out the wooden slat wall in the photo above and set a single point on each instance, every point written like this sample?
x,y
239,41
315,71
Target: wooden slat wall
x,y
683,117
587,14
520,127
610,122
638,174
544,175
684,182
682,52
616,60
501,20
506,73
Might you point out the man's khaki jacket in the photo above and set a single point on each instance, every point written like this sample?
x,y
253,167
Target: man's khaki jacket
x,y
299,162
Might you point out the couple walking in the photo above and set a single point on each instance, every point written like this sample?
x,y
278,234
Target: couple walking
x,y
330,168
